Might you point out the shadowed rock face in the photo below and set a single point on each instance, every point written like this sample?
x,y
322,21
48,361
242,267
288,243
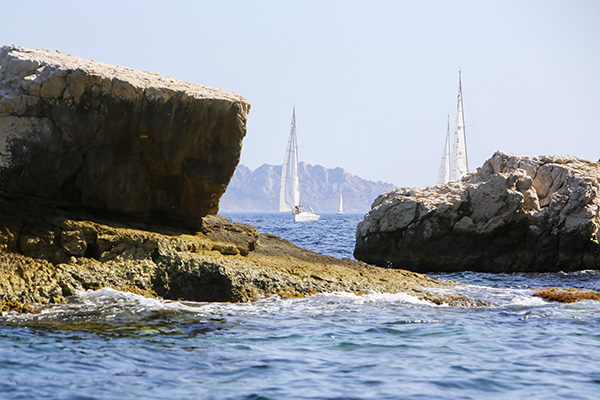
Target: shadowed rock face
x,y
113,138
513,214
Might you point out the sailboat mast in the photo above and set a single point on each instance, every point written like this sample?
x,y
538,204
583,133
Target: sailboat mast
x,y
297,199
462,117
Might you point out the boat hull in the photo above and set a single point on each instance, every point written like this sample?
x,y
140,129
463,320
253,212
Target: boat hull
x,y
306,216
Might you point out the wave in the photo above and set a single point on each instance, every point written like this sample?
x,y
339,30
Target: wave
x,y
112,312
109,310
496,297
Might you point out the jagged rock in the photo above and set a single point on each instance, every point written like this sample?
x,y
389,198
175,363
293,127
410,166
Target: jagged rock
x,y
114,138
515,213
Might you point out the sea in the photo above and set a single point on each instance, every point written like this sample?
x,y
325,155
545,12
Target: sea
x,y
107,344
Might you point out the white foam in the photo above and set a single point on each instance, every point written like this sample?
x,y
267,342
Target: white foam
x,y
110,303
116,298
396,298
496,296
106,303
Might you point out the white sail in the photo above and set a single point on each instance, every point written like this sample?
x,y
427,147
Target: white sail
x,y
289,195
341,209
459,163
444,174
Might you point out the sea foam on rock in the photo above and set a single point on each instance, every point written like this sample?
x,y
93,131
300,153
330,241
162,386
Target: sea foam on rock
x,y
114,138
514,214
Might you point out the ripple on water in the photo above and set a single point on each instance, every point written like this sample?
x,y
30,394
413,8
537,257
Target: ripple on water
x,y
113,345
327,346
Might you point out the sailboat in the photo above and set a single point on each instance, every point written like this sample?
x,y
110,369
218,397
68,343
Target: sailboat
x,y
289,196
341,209
455,165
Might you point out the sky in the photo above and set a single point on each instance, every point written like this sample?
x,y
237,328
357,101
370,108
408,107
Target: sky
x,y
373,82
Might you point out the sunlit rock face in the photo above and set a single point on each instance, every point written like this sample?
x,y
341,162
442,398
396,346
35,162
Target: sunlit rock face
x,y
515,213
110,137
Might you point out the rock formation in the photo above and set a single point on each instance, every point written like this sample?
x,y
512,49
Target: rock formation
x,y
114,138
98,161
514,213
49,254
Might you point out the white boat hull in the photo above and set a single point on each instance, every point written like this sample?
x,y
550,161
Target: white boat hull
x,y
306,216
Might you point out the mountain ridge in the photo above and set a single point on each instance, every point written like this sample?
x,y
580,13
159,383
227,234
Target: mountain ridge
x,y
258,190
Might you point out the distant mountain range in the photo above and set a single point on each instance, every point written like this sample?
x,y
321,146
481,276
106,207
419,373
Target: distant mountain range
x,y
258,190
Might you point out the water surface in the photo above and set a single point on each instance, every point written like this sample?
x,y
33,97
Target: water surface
x,y
112,345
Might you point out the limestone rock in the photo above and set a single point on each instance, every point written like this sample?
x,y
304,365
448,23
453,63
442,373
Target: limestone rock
x,y
114,138
514,213
48,254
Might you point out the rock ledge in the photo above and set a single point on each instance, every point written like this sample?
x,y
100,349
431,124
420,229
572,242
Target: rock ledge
x,y
50,253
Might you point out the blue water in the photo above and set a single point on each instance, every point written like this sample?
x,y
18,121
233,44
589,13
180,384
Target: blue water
x,y
114,345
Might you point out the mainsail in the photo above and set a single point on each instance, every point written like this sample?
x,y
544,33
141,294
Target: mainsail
x,y
454,163
444,174
289,196
459,164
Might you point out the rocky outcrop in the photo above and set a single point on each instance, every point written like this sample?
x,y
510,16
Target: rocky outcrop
x,y
48,254
515,213
114,138
108,177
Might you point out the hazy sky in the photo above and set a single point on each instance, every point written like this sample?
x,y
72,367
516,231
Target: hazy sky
x,y
373,81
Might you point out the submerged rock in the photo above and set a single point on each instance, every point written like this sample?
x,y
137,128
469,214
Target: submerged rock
x,y
566,295
515,213
114,138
